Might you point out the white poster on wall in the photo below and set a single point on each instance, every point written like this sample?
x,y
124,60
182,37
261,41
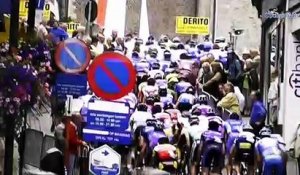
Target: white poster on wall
x,y
291,87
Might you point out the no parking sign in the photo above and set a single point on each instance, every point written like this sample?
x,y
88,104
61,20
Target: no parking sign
x,y
111,76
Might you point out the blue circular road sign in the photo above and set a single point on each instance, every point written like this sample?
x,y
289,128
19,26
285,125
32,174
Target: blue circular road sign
x,y
72,56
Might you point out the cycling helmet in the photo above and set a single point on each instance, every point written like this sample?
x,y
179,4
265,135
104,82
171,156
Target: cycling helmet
x,y
151,122
214,125
186,114
210,112
190,90
234,116
265,132
155,66
247,128
150,100
158,76
196,111
194,120
142,107
168,106
156,109
203,99
163,91
159,126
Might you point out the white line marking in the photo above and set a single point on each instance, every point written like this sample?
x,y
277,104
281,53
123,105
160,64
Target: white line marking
x,y
71,54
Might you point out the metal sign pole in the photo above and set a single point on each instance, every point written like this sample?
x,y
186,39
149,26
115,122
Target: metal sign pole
x,y
89,19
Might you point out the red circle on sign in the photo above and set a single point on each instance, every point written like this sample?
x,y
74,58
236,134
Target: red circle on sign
x,y
99,61
59,49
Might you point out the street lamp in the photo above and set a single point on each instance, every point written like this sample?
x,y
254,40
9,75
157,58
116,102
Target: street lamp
x,y
233,36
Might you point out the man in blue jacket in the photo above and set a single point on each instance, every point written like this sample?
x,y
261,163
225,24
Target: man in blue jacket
x,y
258,112
58,34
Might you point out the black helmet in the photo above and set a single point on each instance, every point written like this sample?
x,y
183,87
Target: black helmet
x,y
234,116
155,66
168,106
150,100
151,122
203,99
196,111
142,107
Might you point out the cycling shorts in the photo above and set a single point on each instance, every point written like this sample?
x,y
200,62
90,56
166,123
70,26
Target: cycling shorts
x,y
273,163
212,155
230,141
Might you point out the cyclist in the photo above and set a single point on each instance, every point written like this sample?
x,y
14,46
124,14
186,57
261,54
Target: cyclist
x,y
139,117
182,85
150,89
155,70
197,125
232,128
271,154
186,100
211,148
202,105
165,97
243,150
164,153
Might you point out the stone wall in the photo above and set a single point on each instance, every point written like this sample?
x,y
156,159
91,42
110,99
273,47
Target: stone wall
x,y
239,14
161,14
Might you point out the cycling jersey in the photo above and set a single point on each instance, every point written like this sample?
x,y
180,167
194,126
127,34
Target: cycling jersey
x,y
154,137
233,125
142,67
161,83
139,118
167,99
196,131
233,128
182,86
165,152
150,91
165,118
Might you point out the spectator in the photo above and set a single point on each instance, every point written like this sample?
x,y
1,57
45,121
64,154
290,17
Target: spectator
x,y
205,73
250,84
42,32
254,54
235,71
273,97
240,97
230,101
109,45
258,113
72,144
58,34
212,86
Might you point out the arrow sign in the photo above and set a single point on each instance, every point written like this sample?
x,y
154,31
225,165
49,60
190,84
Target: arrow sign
x,y
69,104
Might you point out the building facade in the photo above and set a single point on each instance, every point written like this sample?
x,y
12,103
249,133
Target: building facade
x,y
280,51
